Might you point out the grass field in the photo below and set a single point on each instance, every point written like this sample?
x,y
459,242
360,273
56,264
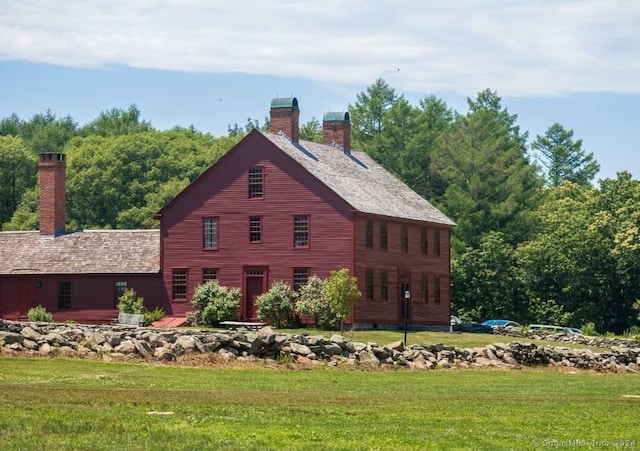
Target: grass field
x,y
72,404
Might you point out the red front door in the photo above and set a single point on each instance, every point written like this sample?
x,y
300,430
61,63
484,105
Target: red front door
x,y
255,286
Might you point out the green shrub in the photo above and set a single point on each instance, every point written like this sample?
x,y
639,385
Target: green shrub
x,y
633,333
313,300
276,305
213,303
343,292
129,302
151,316
589,329
39,314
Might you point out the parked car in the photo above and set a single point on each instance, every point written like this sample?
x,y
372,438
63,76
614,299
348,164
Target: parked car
x,y
573,330
469,326
503,323
546,328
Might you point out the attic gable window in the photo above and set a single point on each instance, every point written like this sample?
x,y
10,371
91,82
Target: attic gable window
x,y
300,231
256,179
210,233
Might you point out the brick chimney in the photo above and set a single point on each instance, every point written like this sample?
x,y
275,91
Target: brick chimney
x,y
285,116
336,128
53,168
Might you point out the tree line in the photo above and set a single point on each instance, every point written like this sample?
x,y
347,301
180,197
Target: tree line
x,y
536,240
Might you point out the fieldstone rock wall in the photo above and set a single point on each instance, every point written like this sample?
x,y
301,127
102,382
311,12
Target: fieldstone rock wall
x,y
48,339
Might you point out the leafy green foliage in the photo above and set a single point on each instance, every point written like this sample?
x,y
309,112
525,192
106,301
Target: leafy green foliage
x,y
342,290
276,305
130,302
488,283
487,178
39,314
563,159
214,303
116,122
314,301
17,172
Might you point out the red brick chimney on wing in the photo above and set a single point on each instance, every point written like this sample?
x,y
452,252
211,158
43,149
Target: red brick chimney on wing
x,y
285,117
336,128
53,168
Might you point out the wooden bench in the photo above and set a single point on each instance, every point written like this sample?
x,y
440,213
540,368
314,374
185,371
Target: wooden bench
x,y
128,319
242,324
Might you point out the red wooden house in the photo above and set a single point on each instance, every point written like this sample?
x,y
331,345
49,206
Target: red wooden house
x,y
279,208
75,274
273,208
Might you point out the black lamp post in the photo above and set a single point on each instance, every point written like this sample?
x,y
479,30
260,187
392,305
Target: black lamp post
x,y
407,296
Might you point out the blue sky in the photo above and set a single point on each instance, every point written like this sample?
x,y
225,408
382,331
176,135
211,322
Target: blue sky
x,y
209,63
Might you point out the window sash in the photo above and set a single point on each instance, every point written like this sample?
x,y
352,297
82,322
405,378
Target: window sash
x,y
369,284
369,235
120,288
64,295
179,284
404,238
256,183
384,285
209,274
255,229
301,231
210,233
300,277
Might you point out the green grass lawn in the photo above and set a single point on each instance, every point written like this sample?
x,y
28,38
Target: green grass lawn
x,y
67,404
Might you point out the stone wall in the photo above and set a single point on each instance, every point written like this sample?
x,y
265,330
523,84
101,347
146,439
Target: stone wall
x,y
154,344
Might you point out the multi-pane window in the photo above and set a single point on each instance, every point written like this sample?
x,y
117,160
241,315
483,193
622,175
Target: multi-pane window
x,y
436,242
255,228
436,290
423,241
209,274
300,277
383,235
404,238
384,285
179,284
300,231
64,295
210,233
256,182
425,289
369,234
368,280
120,288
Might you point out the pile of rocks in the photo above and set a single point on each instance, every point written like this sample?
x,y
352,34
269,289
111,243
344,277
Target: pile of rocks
x,y
170,344
569,339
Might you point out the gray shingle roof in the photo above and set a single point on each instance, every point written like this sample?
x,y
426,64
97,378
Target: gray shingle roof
x,y
360,181
86,252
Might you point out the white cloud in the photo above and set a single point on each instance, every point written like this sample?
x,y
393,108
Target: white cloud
x,y
527,48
